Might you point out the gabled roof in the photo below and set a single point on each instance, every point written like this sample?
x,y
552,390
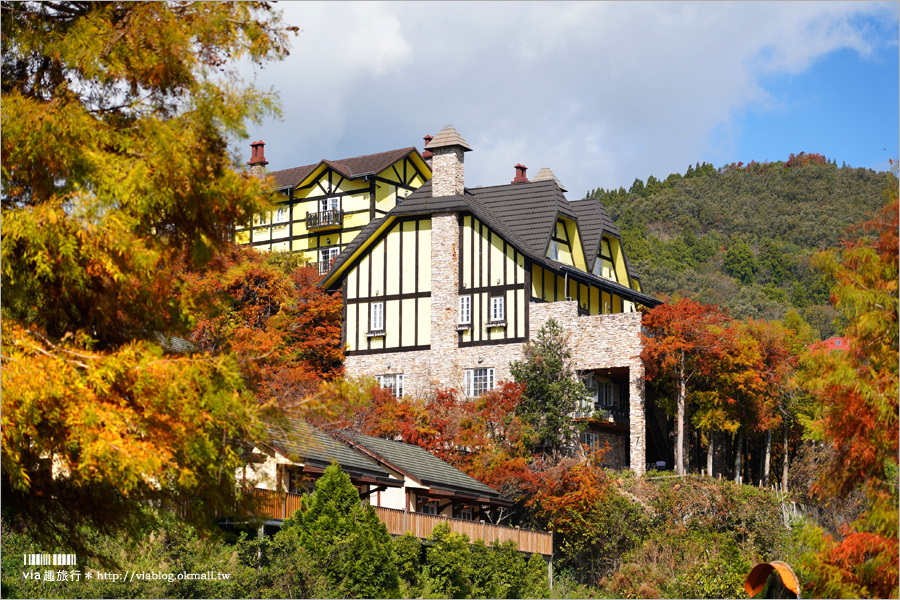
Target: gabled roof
x,y
522,213
595,222
422,465
351,168
304,443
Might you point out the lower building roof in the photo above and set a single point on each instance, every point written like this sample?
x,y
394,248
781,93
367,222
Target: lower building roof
x,y
422,466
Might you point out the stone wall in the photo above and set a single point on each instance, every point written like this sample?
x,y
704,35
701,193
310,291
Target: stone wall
x,y
618,454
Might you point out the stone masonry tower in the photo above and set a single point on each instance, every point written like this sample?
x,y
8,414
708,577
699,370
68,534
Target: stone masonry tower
x,y
447,179
448,168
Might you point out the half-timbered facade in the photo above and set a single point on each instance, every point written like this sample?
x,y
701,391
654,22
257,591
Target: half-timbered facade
x,y
320,208
447,287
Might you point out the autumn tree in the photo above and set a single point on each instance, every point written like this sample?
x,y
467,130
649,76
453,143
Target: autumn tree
x,y
117,119
552,389
859,391
677,340
267,309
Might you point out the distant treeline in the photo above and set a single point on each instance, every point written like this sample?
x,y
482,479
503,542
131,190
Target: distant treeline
x,y
741,236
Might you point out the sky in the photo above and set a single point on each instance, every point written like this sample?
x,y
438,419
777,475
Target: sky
x,y
601,93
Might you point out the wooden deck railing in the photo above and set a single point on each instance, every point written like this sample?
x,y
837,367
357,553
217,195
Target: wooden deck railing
x,y
280,505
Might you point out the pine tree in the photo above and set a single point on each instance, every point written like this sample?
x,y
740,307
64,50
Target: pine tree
x,y
342,537
552,389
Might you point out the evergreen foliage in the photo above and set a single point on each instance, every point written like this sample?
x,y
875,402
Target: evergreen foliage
x,y
784,212
342,538
552,389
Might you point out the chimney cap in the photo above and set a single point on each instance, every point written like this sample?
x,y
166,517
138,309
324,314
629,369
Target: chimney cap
x,y
427,153
259,154
447,137
520,174
546,174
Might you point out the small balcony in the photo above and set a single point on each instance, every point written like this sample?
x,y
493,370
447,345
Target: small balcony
x,y
324,219
613,416
325,265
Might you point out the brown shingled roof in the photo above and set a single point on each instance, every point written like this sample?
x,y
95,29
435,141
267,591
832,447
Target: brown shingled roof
x,y
351,168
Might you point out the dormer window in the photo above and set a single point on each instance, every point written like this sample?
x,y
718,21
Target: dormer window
x,y
604,265
554,250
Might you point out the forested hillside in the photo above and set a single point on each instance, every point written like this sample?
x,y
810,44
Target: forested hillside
x,y
741,236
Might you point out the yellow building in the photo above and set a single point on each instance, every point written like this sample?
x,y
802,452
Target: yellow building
x,y
322,207
446,288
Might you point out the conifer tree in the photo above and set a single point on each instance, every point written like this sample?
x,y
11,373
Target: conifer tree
x,y
117,118
342,537
552,389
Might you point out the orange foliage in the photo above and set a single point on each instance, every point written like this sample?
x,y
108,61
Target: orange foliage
x,y
287,330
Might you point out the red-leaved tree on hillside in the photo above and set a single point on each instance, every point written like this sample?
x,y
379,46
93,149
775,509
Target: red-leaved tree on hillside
x,y
679,339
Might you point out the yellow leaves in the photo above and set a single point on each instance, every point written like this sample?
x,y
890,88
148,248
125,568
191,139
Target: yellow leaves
x,y
126,418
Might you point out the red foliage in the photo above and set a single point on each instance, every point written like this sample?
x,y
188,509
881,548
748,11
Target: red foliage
x,y
804,160
287,330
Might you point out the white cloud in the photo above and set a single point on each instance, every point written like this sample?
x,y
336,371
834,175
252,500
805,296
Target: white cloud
x,y
599,92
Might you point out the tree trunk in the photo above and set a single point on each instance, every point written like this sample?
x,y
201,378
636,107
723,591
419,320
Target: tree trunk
x,y
768,459
784,464
738,450
679,445
746,477
709,455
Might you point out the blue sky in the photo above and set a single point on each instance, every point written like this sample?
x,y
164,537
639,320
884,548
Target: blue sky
x,y
601,93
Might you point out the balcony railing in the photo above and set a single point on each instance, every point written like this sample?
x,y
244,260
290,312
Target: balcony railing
x,y
324,219
280,505
604,415
325,265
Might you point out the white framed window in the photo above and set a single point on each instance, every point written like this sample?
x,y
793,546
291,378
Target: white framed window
x,y
376,322
554,250
608,395
497,313
479,381
430,508
465,514
281,215
392,382
326,258
326,204
465,310
589,439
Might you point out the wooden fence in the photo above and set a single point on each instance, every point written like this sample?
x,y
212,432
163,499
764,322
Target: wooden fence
x,y
280,505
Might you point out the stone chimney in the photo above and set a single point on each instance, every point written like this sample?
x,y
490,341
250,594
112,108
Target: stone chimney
x,y
448,170
258,160
520,174
426,154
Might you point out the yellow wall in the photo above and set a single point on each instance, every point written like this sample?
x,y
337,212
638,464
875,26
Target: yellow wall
x,y
547,286
360,200
491,267
395,270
